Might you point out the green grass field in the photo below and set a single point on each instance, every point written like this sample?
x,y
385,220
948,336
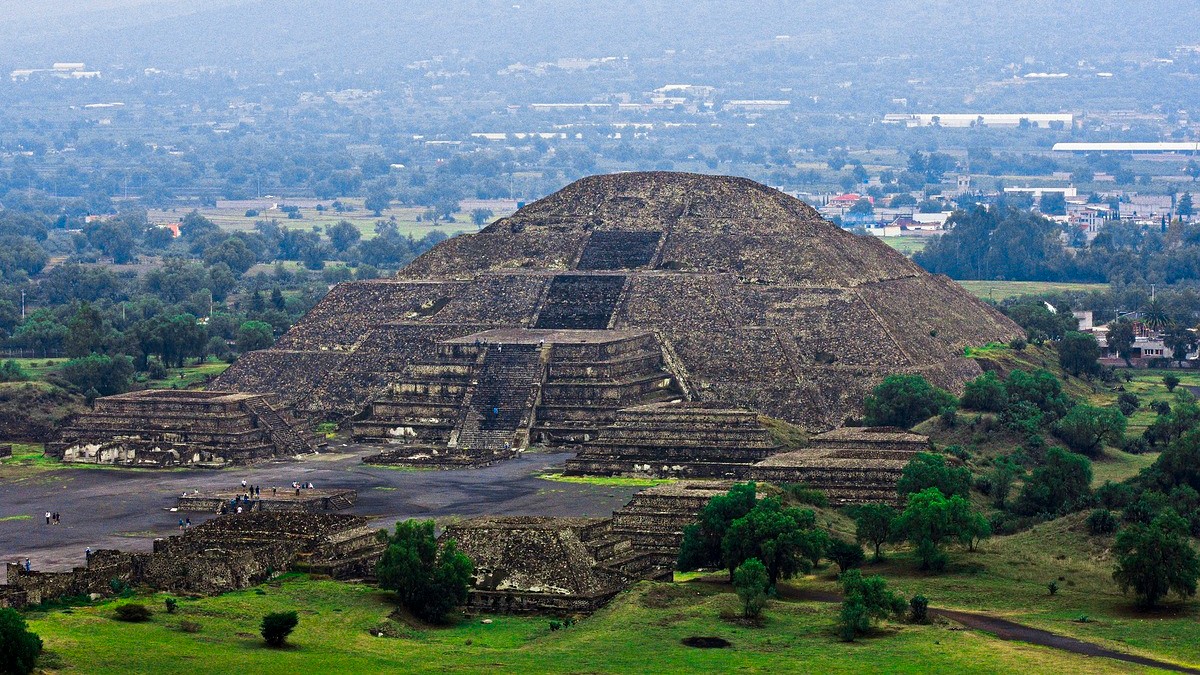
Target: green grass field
x,y
999,290
641,631
907,245
192,374
232,216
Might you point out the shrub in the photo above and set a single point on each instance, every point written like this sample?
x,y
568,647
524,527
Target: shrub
x,y
555,625
752,583
1018,344
1136,445
172,604
1128,403
1085,428
19,648
134,613
11,371
1060,486
918,609
806,495
1101,521
1052,587
277,626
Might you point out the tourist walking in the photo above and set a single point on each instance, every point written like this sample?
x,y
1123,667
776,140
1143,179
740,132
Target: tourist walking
x,y
47,517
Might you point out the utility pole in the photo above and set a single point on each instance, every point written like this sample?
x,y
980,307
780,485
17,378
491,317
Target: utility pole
x,y
22,305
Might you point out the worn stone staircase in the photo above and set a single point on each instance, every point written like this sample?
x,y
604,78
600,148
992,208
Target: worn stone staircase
x,y
282,432
502,400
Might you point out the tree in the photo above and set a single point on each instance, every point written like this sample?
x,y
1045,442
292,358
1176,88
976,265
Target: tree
x,y
985,393
1085,428
277,626
107,375
873,525
1000,480
1121,339
752,584
429,580
701,545
19,647
1171,380
86,332
1184,207
865,600
479,217
1079,353
1059,486
1040,323
1180,341
255,335
846,554
1053,204
233,252
904,400
1040,389
343,235
277,300
1156,559
928,470
784,539
930,519
378,201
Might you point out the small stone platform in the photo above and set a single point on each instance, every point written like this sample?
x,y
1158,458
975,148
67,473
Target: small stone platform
x,y
166,428
282,499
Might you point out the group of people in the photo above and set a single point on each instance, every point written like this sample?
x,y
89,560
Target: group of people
x,y
52,518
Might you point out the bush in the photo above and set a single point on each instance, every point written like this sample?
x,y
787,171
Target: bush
x,y
806,495
1102,521
1017,344
752,583
19,648
1060,486
555,625
928,470
277,626
1052,587
1128,403
1085,428
918,609
133,613
11,371
1156,559
172,604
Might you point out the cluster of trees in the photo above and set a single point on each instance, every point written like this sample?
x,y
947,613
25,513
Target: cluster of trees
x,y
1011,243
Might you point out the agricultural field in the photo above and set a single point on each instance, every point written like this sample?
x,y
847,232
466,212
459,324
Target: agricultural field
x,y
231,216
907,245
1000,290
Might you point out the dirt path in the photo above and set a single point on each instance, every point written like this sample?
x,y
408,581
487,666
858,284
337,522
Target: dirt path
x,y
1010,630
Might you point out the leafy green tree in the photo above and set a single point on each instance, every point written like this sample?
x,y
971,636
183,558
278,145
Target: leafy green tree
x,y
107,375
1000,480
1060,485
378,201
1128,403
930,519
865,600
19,647
430,581
752,585
904,400
928,470
847,555
1085,428
480,217
1053,204
1039,388
86,332
784,539
277,626
255,335
986,393
1040,323
1171,380
873,525
1156,559
701,545
1079,353
41,331
1121,338
233,252
343,235
1180,341
1185,207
